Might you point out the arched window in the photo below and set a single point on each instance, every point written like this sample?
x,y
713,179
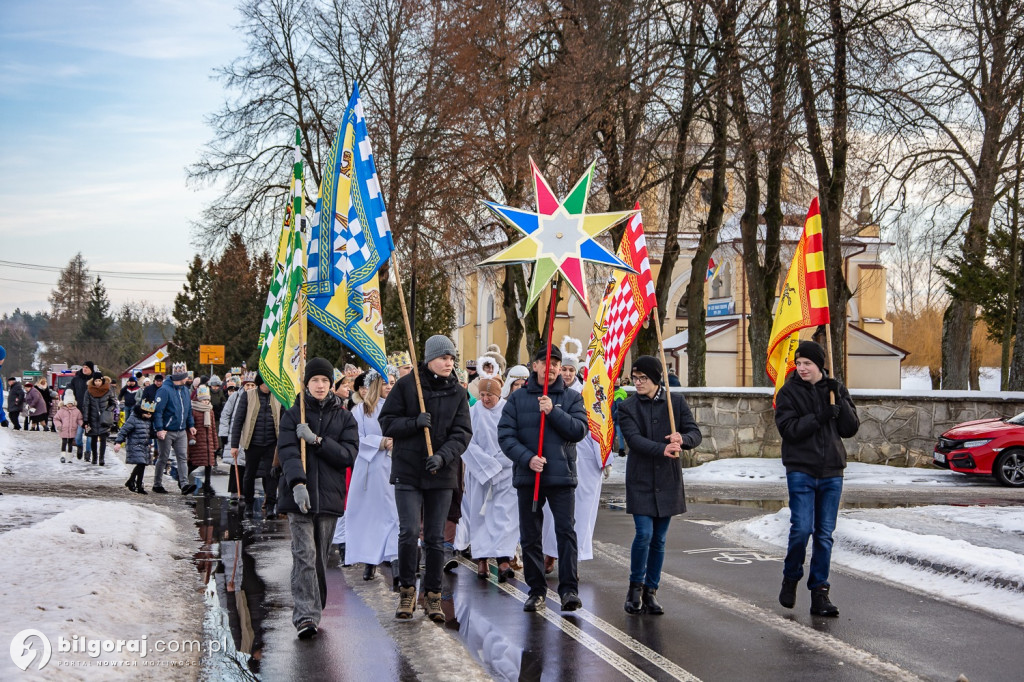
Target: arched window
x,y
681,310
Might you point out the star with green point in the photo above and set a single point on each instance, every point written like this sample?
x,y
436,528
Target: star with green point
x,y
559,237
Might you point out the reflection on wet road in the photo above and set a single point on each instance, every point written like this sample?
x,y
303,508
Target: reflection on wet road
x,y
723,622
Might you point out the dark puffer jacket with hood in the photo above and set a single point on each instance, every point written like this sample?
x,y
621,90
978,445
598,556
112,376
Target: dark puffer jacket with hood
x,y
811,441
519,433
450,429
324,475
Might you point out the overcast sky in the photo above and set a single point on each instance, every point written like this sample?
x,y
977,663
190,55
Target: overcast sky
x,y
102,107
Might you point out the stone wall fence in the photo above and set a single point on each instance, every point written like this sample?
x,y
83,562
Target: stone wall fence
x,y
896,427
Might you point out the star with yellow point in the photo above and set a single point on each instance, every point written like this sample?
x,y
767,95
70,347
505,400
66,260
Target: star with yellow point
x,y
559,237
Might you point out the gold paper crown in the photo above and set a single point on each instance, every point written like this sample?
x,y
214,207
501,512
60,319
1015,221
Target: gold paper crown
x,y
399,358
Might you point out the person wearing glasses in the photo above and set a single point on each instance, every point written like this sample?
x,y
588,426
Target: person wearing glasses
x,y
654,477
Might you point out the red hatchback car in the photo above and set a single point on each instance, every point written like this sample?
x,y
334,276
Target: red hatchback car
x,y
985,446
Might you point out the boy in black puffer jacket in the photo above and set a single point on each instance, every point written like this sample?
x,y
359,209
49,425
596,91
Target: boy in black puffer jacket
x,y
812,427
518,436
314,496
421,482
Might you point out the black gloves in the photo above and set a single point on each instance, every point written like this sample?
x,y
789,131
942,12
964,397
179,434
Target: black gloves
x,y
423,420
828,413
833,386
434,462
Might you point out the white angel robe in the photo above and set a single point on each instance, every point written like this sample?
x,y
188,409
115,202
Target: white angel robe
x,y
490,506
589,476
371,517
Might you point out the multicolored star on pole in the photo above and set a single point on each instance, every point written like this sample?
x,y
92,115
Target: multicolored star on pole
x,y
559,237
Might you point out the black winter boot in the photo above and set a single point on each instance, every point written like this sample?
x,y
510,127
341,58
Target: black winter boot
x,y
650,601
820,604
79,452
633,596
787,595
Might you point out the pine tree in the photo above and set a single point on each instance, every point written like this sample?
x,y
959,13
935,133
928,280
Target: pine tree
x,y
68,303
129,337
434,312
190,314
96,323
238,294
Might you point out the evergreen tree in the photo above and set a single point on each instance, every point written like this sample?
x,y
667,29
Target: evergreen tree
x,y
96,323
434,312
237,296
190,314
68,302
16,339
129,338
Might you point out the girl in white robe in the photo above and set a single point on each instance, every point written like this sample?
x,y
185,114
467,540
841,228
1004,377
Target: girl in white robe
x,y
490,506
589,475
371,517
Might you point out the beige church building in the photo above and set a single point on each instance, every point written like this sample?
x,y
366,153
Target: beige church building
x,y
873,361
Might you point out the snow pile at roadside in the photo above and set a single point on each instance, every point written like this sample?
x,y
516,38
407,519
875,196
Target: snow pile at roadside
x,y
857,474
959,570
102,570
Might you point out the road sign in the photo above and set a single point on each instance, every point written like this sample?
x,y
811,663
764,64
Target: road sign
x,y
31,373
211,355
160,367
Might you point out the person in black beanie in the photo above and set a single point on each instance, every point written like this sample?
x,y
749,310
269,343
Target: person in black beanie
x,y
424,485
313,495
813,413
654,477
518,435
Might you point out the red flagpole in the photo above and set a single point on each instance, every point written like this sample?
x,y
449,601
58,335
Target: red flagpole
x,y
547,368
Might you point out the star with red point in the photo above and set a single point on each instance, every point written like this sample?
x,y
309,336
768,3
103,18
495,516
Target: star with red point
x,y
559,237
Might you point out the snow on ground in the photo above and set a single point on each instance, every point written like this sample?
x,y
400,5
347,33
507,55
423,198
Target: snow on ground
x,y
35,457
950,564
857,474
101,570
918,379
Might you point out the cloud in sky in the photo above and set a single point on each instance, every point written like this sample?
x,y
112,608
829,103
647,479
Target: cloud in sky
x,y
102,106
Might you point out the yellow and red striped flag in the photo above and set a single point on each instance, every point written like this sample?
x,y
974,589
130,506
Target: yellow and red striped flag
x,y
628,301
804,299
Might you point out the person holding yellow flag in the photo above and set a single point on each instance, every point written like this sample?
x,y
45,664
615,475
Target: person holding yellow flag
x,y
814,413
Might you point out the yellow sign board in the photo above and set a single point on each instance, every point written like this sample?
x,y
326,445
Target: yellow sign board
x,y
211,355
160,367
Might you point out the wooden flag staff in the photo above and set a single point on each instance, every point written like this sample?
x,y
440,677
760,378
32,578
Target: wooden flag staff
x,y
412,349
544,382
302,371
664,371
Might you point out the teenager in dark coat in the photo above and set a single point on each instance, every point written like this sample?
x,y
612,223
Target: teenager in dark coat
x,y
424,485
518,435
313,495
654,477
813,413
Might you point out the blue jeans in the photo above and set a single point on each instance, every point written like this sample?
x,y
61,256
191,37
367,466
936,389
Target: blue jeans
x,y
79,432
648,552
813,507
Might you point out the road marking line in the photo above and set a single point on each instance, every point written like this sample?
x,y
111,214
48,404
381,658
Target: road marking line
x,y
676,671
825,643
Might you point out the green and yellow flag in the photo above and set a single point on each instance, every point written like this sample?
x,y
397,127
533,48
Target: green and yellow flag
x,y
284,317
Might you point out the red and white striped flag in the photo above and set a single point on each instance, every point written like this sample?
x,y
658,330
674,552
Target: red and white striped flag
x,y
628,301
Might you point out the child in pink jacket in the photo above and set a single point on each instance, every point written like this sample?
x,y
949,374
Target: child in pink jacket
x,y
67,420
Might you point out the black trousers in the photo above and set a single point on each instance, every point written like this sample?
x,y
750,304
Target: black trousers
x,y
562,501
254,454
416,505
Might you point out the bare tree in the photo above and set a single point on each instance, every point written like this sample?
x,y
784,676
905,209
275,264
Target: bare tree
x,y
960,98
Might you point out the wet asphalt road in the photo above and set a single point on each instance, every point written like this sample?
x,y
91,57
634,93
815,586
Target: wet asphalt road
x,y
722,623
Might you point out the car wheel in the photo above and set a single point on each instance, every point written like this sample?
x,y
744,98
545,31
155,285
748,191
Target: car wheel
x,y
1009,468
